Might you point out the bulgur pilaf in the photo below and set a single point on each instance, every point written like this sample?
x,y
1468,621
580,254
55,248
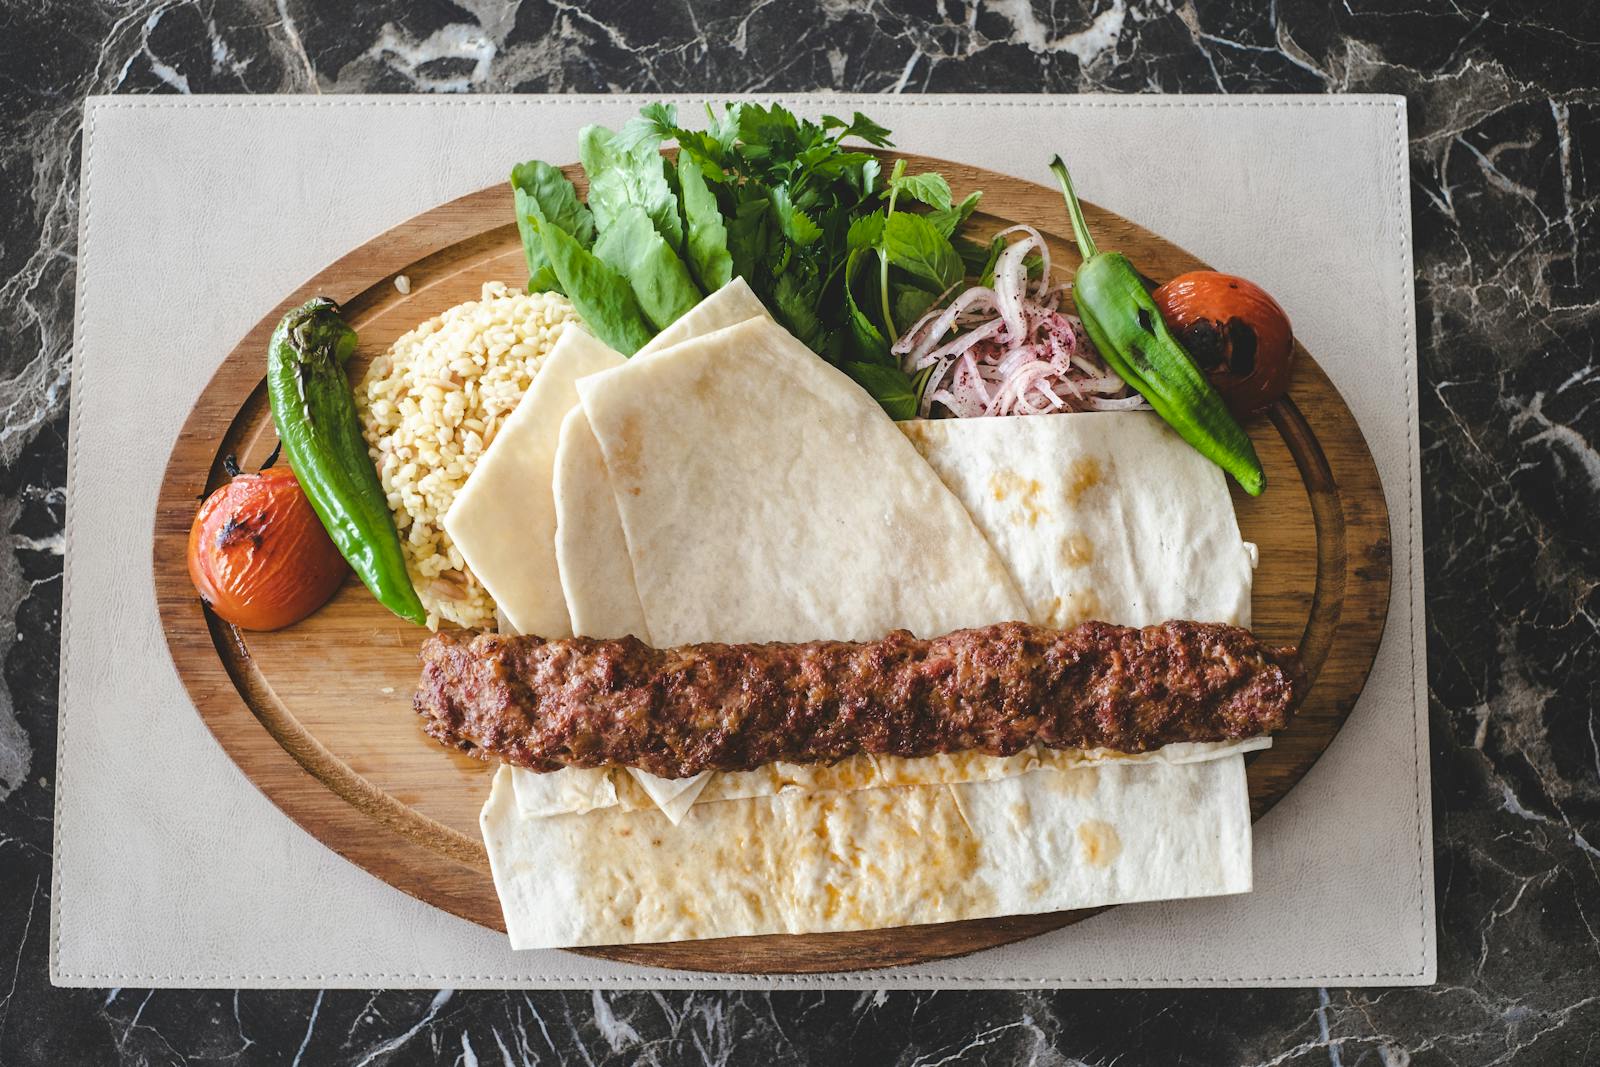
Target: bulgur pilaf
x,y
431,405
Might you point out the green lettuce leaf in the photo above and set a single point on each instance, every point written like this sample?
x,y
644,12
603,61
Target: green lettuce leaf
x,y
636,175
630,245
601,295
538,183
706,238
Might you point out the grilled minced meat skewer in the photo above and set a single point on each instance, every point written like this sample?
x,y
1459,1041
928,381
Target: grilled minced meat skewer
x,y
674,712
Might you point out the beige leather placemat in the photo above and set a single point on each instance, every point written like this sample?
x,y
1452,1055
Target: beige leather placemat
x,y
199,214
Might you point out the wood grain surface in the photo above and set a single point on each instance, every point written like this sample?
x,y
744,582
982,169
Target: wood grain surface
x,y
319,715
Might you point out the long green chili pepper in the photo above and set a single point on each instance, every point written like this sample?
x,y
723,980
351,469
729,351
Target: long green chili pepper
x,y
317,424
1126,326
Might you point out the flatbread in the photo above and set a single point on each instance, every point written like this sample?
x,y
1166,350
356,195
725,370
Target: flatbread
x,y
1098,515
596,573
572,791
766,497
560,791
803,862
504,518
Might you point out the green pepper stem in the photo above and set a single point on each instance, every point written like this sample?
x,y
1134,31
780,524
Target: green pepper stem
x,y
1080,228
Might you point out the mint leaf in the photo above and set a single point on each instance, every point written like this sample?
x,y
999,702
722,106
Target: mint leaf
x,y
930,189
891,387
865,231
948,220
916,247
910,304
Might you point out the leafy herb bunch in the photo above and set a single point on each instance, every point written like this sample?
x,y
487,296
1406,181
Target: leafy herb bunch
x,y
821,236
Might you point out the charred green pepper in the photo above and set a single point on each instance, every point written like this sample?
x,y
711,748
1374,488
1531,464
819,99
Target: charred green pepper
x,y
315,413
1124,323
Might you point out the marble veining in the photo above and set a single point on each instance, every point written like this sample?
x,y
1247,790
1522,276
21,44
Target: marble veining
x,y
1505,156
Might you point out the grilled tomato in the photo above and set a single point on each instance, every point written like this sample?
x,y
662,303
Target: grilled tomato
x,y
258,553
1236,332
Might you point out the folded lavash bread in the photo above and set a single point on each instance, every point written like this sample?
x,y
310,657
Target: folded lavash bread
x,y
774,487
503,520
798,855
591,552
831,494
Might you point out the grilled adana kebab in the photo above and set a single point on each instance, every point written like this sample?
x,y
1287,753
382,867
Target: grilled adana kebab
x,y
674,712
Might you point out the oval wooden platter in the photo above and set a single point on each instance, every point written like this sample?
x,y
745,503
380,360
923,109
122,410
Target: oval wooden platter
x,y
319,715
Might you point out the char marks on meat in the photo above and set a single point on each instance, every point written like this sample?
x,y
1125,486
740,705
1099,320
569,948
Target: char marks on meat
x,y
674,712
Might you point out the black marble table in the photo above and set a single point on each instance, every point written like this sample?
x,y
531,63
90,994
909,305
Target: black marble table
x,y
1505,158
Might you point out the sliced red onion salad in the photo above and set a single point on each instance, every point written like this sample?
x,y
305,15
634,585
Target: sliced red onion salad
x,y
1010,349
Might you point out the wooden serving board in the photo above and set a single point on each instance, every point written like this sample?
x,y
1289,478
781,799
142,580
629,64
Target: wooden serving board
x,y
319,715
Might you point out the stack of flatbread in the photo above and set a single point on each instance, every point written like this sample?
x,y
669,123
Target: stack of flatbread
x,y
725,484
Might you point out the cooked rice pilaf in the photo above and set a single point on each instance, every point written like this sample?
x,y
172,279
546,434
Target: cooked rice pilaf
x,y
431,405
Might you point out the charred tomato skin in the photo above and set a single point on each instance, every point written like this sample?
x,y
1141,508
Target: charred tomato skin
x,y
258,554
1235,331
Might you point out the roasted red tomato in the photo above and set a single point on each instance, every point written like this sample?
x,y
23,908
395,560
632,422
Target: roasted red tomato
x,y
1236,332
258,553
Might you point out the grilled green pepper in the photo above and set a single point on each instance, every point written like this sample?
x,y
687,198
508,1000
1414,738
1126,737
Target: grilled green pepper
x,y
1126,326
315,413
